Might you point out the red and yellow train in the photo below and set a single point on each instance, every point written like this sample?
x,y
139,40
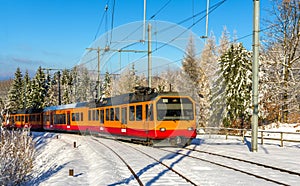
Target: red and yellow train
x,y
146,116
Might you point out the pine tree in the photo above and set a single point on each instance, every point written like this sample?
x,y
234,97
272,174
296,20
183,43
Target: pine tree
x,y
195,82
209,58
107,88
190,65
66,82
74,73
235,69
52,94
39,90
84,91
15,96
127,82
27,90
224,42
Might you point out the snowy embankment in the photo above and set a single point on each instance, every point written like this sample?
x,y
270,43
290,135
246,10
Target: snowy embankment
x,y
94,164
57,155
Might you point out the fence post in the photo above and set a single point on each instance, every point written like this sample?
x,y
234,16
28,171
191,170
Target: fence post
x,y
262,137
281,139
243,135
71,172
226,134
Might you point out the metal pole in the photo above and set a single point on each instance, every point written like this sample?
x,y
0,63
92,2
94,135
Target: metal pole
x,y
207,11
149,57
144,28
98,79
59,91
254,123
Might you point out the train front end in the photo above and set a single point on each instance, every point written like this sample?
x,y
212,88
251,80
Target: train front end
x,y
174,120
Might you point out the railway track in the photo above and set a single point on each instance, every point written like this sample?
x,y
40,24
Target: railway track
x,y
167,165
271,174
152,171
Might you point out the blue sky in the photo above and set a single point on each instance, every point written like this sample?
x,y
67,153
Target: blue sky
x,y
56,33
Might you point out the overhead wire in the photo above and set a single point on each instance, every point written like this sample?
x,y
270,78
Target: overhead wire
x,y
112,21
152,17
230,42
167,43
212,8
101,21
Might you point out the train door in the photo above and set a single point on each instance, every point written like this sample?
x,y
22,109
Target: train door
x,y
149,118
51,119
101,120
124,120
26,123
68,120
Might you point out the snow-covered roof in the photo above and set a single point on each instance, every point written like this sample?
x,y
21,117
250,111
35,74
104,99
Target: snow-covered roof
x,y
68,106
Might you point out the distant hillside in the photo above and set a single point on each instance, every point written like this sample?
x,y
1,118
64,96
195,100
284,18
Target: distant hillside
x,y
4,87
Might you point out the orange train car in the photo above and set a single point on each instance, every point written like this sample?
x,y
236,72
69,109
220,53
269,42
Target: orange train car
x,y
150,118
144,115
24,119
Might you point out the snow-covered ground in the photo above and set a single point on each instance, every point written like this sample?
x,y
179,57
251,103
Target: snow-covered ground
x,y
94,164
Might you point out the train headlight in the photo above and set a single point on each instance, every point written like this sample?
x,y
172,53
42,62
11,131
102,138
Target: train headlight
x,y
190,129
163,129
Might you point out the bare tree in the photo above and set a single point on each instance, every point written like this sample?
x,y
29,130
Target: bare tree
x,y
282,53
17,156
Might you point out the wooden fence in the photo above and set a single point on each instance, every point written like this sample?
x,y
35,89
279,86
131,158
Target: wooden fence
x,y
243,133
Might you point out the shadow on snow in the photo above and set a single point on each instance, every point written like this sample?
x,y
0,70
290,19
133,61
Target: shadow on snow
x,y
170,156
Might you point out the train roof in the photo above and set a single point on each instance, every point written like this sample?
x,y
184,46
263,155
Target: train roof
x,y
133,98
141,94
27,111
67,106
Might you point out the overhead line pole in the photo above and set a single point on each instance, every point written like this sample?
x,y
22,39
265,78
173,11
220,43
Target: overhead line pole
x,y
98,49
144,26
254,122
149,57
207,11
59,76
98,95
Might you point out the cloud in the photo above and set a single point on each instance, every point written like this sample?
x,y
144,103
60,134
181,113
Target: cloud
x,y
9,65
26,61
49,53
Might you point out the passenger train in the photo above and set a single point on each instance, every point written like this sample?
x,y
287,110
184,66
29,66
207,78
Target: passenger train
x,y
145,116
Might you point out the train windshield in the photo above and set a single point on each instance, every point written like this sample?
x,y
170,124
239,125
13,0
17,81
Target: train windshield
x,y
174,109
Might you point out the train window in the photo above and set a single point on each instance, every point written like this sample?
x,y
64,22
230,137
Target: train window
x,y
149,112
139,112
22,118
117,114
101,116
46,118
26,119
112,114
90,115
124,115
81,116
131,113
174,109
107,114
59,119
97,116
94,115
75,117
